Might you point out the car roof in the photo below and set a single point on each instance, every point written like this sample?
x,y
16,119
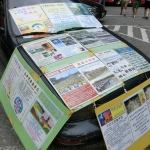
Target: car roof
x,y
21,3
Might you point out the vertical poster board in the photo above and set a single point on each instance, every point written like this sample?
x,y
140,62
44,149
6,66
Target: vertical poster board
x,y
125,121
31,19
35,113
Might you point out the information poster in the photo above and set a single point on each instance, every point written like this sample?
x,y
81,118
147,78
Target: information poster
x,y
83,15
31,19
135,59
41,119
67,45
86,39
37,113
60,16
125,121
97,74
71,85
24,95
147,94
43,52
11,77
103,36
121,67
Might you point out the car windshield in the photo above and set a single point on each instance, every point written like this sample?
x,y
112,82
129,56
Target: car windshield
x,y
20,3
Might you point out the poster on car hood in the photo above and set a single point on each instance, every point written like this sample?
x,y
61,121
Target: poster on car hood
x,y
125,121
34,111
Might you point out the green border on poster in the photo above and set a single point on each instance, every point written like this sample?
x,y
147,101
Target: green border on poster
x,y
19,129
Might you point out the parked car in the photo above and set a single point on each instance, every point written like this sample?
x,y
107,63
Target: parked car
x,y
82,128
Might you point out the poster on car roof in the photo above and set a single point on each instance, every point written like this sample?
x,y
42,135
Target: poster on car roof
x,y
83,15
71,85
86,39
135,59
120,66
31,19
34,111
43,52
125,121
97,74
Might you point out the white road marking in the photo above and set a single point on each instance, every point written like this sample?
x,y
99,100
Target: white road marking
x,y
130,31
144,35
117,27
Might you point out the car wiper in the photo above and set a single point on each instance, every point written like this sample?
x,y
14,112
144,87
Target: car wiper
x,y
37,33
76,28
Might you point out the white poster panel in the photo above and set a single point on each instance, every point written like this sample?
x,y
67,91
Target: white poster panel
x,y
24,95
138,114
13,73
116,128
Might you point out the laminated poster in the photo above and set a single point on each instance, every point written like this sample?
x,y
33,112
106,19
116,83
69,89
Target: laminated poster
x,y
83,15
120,66
147,94
40,115
41,119
135,59
67,45
86,39
12,76
60,16
125,122
103,36
43,52
24,95
97,74
31,19
71,85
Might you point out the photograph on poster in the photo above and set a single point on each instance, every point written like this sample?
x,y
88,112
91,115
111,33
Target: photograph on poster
x,y
42,116
98,75
135,59
43,52
18,105
132,103
147,94
86,39
72,86
78,9
116,63
63,40
105,83
103,36
67,45
105,117
68,80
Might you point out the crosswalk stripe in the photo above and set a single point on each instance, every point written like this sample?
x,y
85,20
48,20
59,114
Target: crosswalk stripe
x,y
130,31
117,27
144,35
